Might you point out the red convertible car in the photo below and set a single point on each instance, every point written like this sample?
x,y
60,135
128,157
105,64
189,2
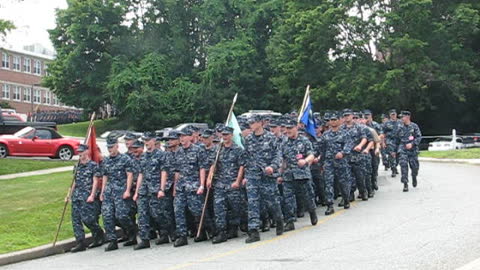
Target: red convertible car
x,y
38,142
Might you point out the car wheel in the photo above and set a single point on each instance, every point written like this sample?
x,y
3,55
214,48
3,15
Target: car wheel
x,y
65,153
3,151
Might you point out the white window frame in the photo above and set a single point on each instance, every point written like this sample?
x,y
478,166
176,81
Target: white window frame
x,y
37,96
27,68
16,63
55,100
17,93
5,60
37,67
27,94
6,91
47,97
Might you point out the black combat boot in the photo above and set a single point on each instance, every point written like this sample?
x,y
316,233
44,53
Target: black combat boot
x,y
143,244
405,187
394,172
329,210
124,236
152,235
180,241
414,180
347,205
265,225
162,239
79,247
232,232
371,194
132,238
112,245
352,196
313,217
289,226
220,237
280,227
97,239
365,196
341,203
253,236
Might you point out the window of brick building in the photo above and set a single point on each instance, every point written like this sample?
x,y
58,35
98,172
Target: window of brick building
x,y
36,96
6,91
27,94
16,92
37,67
16,62
46,97
5,60
27,65
55,99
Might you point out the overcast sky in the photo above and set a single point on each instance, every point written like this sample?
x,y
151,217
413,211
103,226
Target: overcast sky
x,y
32,18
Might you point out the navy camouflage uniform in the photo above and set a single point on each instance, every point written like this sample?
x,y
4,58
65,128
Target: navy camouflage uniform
x,y
356,159
114,207
83,212
409,134
188,163
390,129
149,205
375,159
297,180
261,151
225,197
335,142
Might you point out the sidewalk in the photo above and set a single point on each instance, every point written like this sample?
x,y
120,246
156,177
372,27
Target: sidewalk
x,y
448,160
39,172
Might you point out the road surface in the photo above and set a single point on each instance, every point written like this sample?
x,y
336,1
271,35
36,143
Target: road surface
x,y
435,226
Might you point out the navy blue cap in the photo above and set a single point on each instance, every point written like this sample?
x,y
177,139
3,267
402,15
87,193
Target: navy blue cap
x,y
405,113
138,144
111,142
254,118
186,132
207,133
291,123
173,135
392,111
148,135
227,130
326,116
82,148
130,136
334,116
347,112
367,112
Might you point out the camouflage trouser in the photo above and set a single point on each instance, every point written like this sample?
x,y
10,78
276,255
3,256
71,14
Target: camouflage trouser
x,y
375,164
227,203
392,161
357,172
383,152
301,188
183,200
263,190
367,171
406,159
152,208
84,213
336,169
319,185
114,208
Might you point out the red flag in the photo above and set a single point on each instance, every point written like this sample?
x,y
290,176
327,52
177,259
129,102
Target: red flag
x,y
95,154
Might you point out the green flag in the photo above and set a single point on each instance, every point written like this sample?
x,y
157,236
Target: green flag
x,y
233,123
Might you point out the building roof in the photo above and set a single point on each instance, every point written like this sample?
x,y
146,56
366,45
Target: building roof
x,y
25,52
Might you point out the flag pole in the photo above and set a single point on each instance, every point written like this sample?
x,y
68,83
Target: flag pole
x,y
211,173
307,93
73,181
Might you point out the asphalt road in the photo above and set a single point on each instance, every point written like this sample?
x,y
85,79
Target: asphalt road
x,y
435,226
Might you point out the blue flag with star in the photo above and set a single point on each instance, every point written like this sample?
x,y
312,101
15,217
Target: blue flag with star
x,y
307,118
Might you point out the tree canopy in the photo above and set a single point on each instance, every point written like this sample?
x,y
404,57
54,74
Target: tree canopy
x,y
161,62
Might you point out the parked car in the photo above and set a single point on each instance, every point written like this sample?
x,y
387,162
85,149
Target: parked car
x,y
38,142
8,116
269,113
7,126
445,143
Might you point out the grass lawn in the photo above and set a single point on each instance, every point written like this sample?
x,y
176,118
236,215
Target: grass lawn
x,y
30,211
9,165
80,129
471,153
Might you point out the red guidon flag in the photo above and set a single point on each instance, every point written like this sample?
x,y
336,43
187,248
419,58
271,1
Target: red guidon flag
x,y
95,154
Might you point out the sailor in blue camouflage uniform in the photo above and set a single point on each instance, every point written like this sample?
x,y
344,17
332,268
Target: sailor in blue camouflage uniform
x,y
297,155
116,195
190,163
383,149
390,129
263,159
367,115
173,144
129,139
366,155
355,159
83,201
409,137
336,146
227,196
153,171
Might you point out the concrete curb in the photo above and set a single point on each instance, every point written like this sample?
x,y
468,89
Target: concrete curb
x,y
447,160
34,173
41,251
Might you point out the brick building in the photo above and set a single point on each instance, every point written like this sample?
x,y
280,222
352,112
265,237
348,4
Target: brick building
x,y
21,73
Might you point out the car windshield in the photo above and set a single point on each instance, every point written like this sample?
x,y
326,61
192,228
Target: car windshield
x,y
25,132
